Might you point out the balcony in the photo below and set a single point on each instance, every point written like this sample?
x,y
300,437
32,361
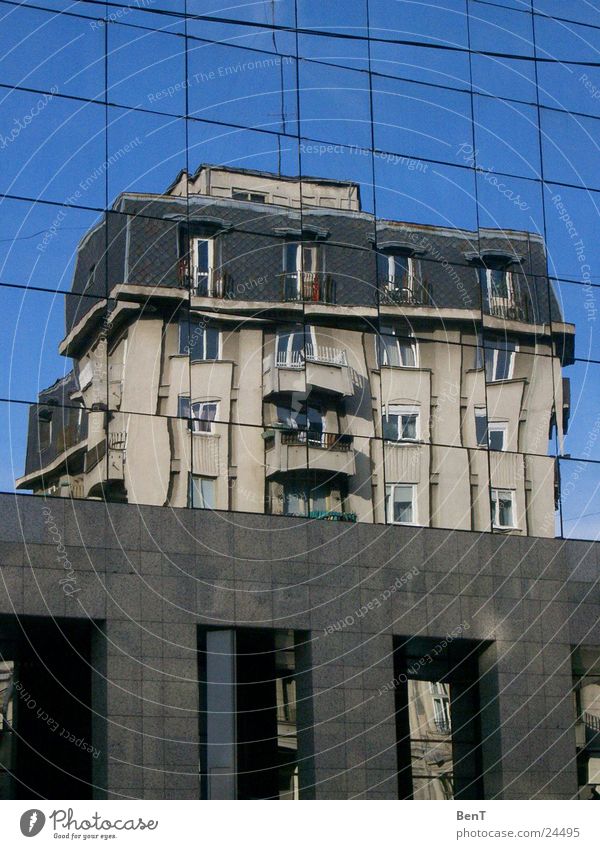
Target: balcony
x,y
105,463
406,293
317,367
592,732
332,516
203,282
516,307
308,287
292,449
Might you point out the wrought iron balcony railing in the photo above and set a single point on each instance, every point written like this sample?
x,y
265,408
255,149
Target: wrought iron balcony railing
x,y
516,307
317,439
203,282
407,292
307,286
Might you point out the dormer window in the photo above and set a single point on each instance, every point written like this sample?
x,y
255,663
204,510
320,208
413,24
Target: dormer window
x,y
44,428
501,291
200,261
304,277
399,277
248,196
305,258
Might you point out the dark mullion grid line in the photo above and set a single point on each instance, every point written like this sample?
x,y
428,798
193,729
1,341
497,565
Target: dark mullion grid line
x,y
241,22
318,33
307,31
378,378
357,436
480,92
303,138
557,412
482,315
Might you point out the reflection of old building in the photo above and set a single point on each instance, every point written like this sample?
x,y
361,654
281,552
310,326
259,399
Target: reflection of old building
x,y
586,674
6,726
233,352
431,739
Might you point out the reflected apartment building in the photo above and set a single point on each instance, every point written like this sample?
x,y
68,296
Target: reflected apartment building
x,y
260,344
252,342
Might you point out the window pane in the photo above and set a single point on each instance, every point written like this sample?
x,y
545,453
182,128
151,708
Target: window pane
x,y
212,343
505,510
403,508
407,354
481,427
208,493
496,440
409,426
183,407
202,255
390,427
390,351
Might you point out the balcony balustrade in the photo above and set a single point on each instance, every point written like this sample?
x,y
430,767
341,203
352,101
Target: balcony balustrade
x,y
291,449
308,286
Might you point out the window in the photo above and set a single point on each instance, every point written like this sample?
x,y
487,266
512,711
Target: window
x,y
203,414
306,417
481,426
397,272
400,504
202,493
401,423
251,197
490,435
91,277
290,348
586,706
497,355
303,257
497,283
249,714
395,350
441,706
199,341
502,508
183,407
44,428
438,709
302,497
497,436
203,262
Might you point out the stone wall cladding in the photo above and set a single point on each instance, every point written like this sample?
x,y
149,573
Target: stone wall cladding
x,y
150,576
